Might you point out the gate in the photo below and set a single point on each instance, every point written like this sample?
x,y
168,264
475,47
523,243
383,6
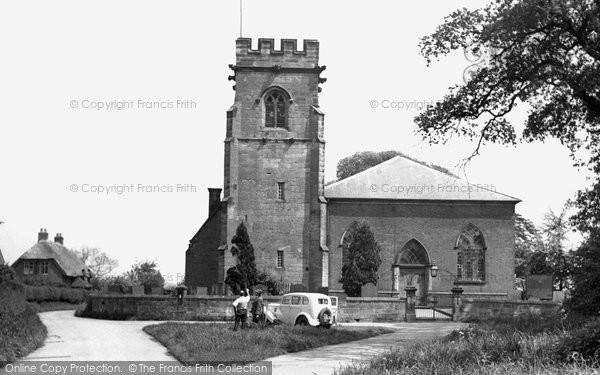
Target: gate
x,y
433,313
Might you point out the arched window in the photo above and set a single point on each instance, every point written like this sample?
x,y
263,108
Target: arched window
x,y
276,108
346,240
470,259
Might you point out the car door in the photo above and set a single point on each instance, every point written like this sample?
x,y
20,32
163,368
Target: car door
x,y
284,310
295,308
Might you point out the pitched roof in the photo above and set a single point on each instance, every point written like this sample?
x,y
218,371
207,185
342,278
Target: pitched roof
x,y
401,178
66,259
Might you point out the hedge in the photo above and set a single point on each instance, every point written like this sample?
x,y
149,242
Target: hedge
x,y
53,294
21,330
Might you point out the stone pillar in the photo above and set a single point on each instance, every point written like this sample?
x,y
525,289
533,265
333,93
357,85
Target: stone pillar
x,y
456,303
411,314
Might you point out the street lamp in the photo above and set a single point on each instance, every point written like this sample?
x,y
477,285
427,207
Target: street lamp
x,y
435,270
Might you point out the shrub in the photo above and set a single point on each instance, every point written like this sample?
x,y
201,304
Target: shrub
x,y
21,330
53,294
582,343
7,273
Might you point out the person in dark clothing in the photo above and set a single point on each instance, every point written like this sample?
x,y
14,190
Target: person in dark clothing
x,y
258,308
240,306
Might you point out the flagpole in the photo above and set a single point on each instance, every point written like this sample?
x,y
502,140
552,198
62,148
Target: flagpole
x,y
240,18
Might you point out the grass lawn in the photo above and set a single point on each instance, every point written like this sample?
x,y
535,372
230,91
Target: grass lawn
x,y
530,344
191,343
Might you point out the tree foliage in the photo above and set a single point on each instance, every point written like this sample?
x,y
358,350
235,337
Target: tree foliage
x,y
363,260
542,251
585,294
528,241
243,274
97,261
587,203
543,52
364,160
147,275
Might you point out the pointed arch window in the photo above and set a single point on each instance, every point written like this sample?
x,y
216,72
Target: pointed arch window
x,y
276,108
470,259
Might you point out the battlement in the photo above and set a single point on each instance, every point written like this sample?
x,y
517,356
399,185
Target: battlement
x,y
267,56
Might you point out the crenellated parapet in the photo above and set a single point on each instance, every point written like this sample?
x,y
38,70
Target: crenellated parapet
x,y
266,56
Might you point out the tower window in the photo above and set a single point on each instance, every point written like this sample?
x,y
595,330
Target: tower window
x,y
281,191
279,258
276,108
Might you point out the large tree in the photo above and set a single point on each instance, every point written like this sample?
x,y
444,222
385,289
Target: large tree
x,y
364,160
584,298
363,260
97,261
243,274
527,242
543,52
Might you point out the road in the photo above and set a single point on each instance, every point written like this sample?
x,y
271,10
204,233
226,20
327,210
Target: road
x,y
80,339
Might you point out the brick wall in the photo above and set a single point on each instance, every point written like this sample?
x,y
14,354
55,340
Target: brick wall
x,y
436,225
201,258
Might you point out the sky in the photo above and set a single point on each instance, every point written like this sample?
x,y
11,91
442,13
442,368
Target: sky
x,y
102,97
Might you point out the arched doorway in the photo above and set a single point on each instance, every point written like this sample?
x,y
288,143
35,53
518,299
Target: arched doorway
x,y
410,268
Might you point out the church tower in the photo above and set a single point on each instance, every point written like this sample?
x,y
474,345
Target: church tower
x,y
274,161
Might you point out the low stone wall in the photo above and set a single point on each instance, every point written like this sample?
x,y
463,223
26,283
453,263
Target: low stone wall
x,y
372,309
487,308
150,307
350,309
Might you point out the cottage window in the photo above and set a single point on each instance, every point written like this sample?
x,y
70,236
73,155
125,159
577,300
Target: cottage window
x,y
28,268
44,268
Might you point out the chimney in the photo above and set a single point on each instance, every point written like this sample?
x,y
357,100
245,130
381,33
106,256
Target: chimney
x,y
214,199
43,235
59,238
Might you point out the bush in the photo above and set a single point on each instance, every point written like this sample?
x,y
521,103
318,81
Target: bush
x,y
21,330
53,294
7,273
582,343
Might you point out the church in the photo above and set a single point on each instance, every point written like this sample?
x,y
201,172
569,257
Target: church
x,y
274,182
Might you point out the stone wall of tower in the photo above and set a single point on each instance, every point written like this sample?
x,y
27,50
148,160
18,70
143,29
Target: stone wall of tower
x,y
258,158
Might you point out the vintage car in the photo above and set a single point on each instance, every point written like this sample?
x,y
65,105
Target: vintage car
x,y
315,309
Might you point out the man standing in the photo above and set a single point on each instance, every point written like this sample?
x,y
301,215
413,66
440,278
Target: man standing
x,y
240,306
257,307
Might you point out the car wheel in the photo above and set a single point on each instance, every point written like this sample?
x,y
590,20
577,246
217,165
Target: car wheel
x,y
301,321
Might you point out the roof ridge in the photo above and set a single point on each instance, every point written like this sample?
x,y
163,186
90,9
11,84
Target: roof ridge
x,y
362,172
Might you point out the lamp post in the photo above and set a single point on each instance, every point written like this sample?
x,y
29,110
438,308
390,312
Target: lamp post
x,y
456,291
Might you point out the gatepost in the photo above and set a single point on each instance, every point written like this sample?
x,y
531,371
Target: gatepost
x,y
411,314
456,303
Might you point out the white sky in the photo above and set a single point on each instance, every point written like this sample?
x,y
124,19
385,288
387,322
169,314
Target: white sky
x,y
62,51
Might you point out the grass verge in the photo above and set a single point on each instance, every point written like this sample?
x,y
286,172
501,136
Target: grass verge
x,y
191,343
530,344
21,330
